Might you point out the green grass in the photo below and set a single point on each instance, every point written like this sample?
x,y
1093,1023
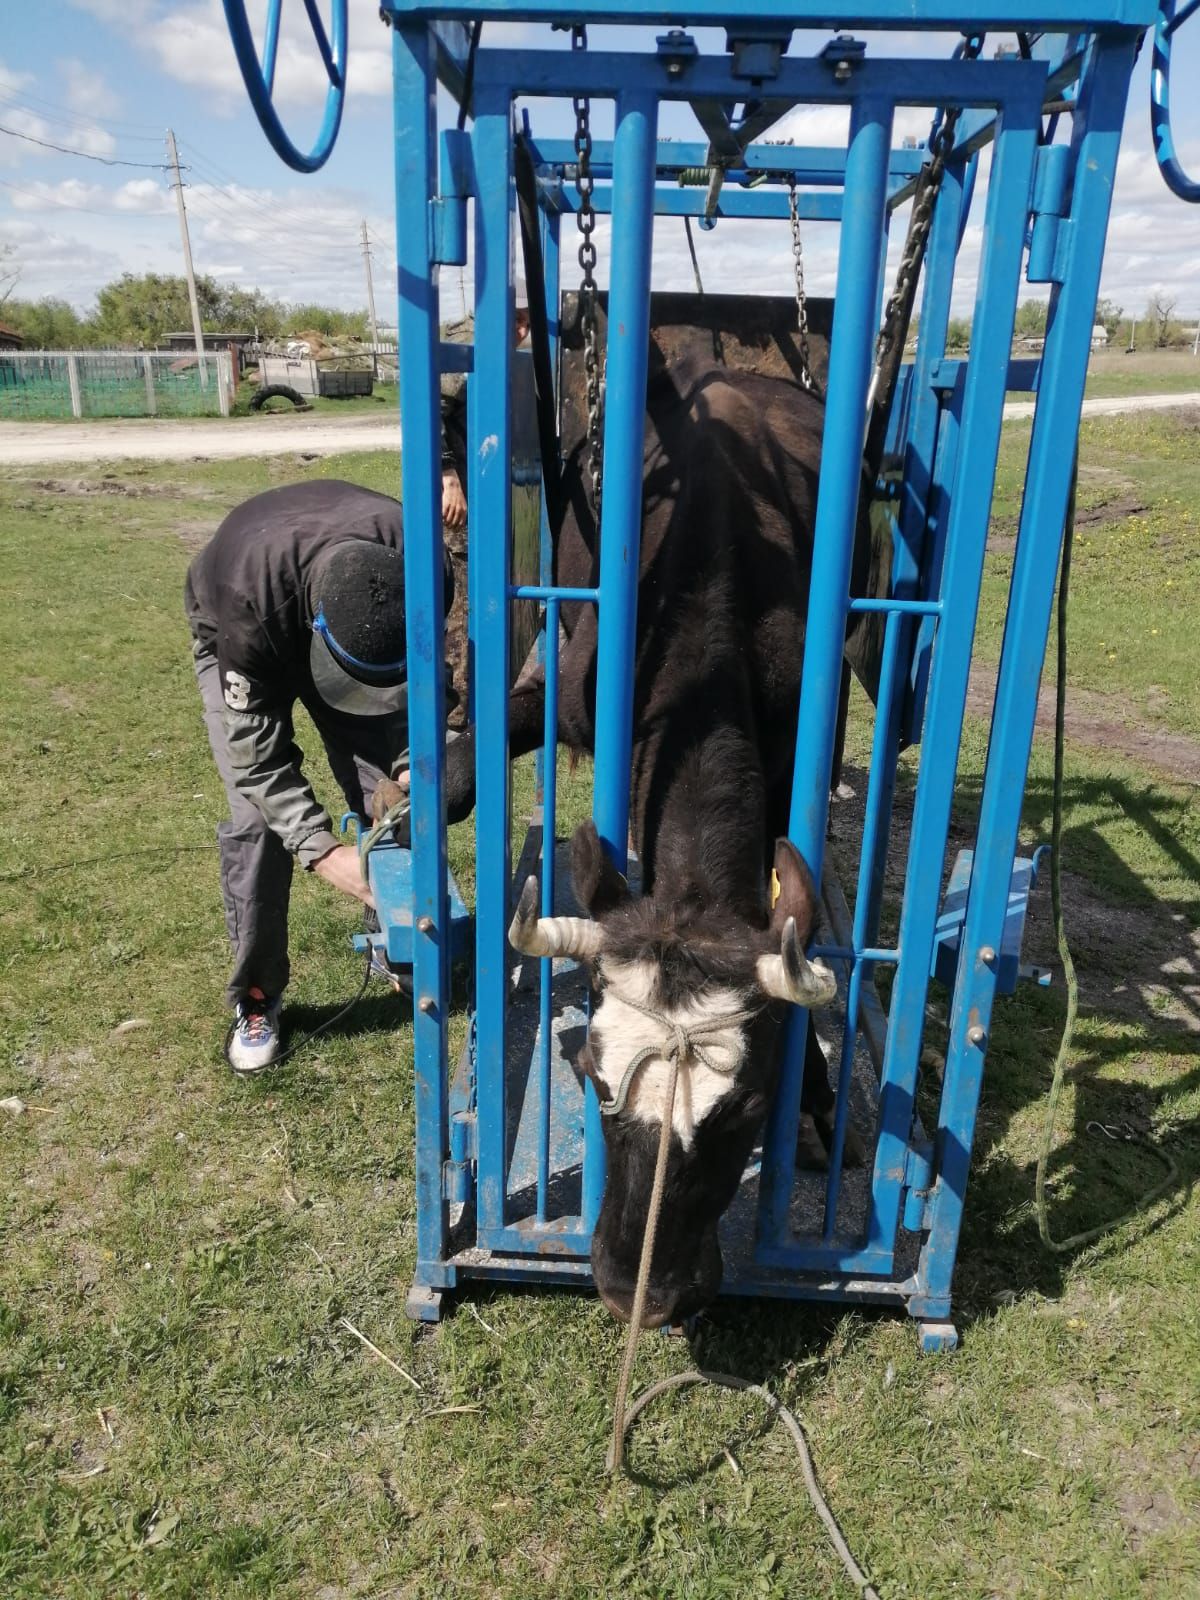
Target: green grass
x,y
1136,569
180,1248
1113,372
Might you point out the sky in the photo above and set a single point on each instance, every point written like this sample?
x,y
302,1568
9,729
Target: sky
x,y
105,78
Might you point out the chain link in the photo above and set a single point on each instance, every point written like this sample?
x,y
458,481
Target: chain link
x,y
585,219
898,314
806,376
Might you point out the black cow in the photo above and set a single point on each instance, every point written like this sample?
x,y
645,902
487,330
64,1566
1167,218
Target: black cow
x,y
731,466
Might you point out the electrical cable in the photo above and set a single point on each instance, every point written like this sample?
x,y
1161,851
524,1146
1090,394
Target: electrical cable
x,y
53,112
86,155
65,205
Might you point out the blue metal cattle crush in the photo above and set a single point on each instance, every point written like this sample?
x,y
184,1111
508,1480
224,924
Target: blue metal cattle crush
x,y
510,1158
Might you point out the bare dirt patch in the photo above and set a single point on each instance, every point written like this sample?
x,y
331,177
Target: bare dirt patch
x,y
1106,497
109,484
1104,721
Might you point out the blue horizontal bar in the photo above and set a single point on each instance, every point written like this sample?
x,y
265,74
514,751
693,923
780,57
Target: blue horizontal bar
x,y
831,1257
811,164
843,952
911,608
563,1236
930,14
886,83
547,591
771,203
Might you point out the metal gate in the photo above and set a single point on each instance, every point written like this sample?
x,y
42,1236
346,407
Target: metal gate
x,y
510,1158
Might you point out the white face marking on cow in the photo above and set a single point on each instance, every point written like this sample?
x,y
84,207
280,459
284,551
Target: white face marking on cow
x,y
619,1031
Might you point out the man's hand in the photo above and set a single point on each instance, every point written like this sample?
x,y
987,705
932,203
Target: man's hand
x,y
340,867
454,502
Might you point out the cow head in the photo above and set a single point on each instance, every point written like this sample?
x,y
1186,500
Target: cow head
x,y
662,975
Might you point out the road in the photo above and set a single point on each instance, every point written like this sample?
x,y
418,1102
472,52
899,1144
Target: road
x,y
75,444
68,444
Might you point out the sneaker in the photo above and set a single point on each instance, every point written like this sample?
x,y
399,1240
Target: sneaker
x,y
254,1038
398,979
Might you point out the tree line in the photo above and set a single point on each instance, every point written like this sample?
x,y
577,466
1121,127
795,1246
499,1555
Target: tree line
x,y
1156,328
139,310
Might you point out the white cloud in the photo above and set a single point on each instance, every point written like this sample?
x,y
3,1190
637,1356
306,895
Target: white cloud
x,y
37,195
191,42
149,196
87,93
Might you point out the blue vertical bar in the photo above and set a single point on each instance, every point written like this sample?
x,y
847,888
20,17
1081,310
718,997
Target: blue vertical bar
x,y
1095,146
549,834
850,353
983,406
490,500
634,153
416,172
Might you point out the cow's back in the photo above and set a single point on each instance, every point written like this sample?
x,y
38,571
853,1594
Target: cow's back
x,y
729,499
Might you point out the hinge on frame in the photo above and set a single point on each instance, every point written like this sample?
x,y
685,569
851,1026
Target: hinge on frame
x,y
1050,226
918,1184
458,1173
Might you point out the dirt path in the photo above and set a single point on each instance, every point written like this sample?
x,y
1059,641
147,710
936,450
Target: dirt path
x,y
1106,722
1113,405
78,443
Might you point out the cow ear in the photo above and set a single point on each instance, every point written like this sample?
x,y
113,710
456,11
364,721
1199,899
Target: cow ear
x,y
597,883
797,896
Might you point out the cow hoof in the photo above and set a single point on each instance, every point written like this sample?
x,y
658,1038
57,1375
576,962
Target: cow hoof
x,y
854,1153
810,1148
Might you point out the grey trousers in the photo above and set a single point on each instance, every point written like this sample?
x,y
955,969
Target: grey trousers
x,y
256,869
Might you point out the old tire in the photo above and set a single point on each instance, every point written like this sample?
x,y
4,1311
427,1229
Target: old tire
x,y
278,391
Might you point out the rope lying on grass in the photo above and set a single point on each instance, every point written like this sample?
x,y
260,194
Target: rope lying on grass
x,y
622,1421
1087,1235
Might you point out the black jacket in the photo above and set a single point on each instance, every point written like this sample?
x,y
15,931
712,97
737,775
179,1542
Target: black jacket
x,y
247,603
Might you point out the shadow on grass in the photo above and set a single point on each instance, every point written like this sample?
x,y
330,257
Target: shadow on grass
x,y
1135,948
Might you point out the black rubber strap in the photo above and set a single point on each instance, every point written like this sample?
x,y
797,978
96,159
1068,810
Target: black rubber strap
x,y
539,335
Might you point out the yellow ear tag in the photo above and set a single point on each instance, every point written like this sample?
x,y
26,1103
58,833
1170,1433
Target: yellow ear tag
x,y
773,888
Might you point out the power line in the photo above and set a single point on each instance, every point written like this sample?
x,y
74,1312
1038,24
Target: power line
x,y
66,114
204,167
76,120
108,161
66,205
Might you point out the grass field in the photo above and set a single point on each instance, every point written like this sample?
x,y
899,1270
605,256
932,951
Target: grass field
x,y
1113,372
183,1411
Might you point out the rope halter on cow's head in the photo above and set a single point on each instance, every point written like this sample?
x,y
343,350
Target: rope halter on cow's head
x,y
787,976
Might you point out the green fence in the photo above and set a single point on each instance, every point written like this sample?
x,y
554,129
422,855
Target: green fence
x,y
111,383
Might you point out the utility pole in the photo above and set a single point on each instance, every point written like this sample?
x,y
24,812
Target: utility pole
x,y
366,250
187,258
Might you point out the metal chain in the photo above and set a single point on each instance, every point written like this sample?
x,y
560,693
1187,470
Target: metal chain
x,y
585,219
806,377
897,316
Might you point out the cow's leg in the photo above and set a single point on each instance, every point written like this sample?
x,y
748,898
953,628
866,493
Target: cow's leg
x,y
526,716
817,1101
818,1105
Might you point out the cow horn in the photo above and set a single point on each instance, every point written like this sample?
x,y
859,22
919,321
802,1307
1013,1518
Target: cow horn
x,y
532,935
791,976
